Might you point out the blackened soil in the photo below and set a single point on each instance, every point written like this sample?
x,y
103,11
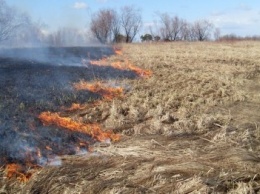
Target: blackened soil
x,y
29,85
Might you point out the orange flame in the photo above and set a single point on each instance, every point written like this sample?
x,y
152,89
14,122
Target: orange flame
x,y
47,118
118,51
94,130
75,106
102,62
108,93
141,72
124,65
15,170
137,70
118,65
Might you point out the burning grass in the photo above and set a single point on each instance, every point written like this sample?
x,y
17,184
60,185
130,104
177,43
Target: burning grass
x,y
108,93
16,170
94,130
31,85
91,129
191,127
123,64
75,106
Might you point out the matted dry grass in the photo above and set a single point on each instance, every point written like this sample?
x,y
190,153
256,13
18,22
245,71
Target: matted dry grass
x,y
193,127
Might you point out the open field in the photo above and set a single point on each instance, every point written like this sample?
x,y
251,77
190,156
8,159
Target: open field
x,y
192,127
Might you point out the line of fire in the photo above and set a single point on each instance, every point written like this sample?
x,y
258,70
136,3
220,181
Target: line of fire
x,y
44,95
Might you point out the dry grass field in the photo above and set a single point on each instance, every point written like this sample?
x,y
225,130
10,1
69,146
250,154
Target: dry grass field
x,y
192,127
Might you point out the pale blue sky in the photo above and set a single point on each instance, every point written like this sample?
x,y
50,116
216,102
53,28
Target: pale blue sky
x,y
231,16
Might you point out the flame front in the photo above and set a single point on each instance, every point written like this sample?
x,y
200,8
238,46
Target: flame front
x,y
141,72
108,93
24,171
75,106
125,64
102,62
15,170
118,51
93,130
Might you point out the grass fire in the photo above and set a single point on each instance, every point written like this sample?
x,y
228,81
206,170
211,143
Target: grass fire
x,y
148,118
94,130
34,145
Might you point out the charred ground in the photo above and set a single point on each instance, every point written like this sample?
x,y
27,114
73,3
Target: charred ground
x,y
193,127
34,80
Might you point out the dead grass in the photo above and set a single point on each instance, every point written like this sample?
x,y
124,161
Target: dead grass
x,y
193,127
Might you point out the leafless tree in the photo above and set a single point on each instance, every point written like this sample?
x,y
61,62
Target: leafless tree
x,y
11,20
116,26
154,30
105,25
185,32
166,31
177,24
202,30
171,27
131,21
120,38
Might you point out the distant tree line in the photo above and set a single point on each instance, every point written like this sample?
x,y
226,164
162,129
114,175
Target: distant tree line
x,y
234,37
174,28
106,26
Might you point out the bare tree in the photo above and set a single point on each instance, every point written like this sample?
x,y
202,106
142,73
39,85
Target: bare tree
x,y
166,31
154,30
177,24
116,26
105,25
171,27
11,20
131,21
185,31
202,30
119,38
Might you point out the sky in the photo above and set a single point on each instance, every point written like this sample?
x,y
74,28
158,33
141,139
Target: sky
x,y
240,17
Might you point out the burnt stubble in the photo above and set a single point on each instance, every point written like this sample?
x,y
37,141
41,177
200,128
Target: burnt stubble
x,y
33,80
